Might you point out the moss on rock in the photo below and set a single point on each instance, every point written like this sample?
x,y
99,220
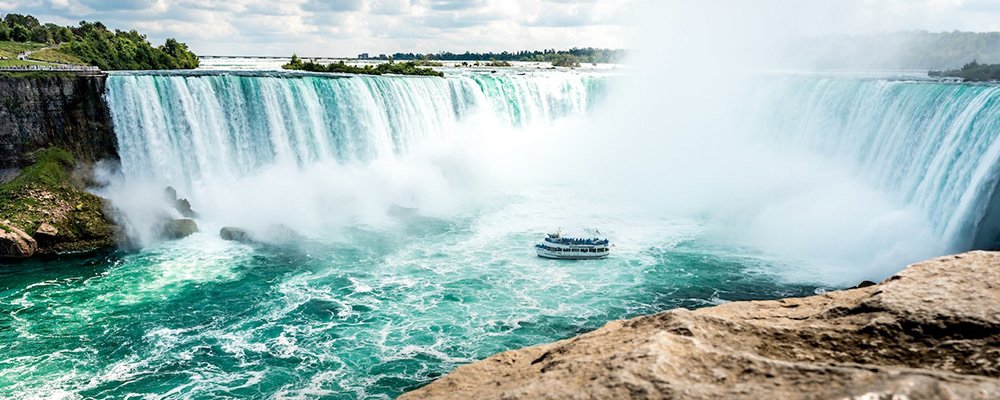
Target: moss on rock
x,y
44,192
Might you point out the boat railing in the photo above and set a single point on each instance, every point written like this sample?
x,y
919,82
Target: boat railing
x,y
578,242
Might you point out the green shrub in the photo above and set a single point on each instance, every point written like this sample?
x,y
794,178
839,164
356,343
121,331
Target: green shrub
x,y
972,72
93,43
405,68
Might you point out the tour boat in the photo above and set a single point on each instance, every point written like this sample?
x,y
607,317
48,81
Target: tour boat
x,y
569,248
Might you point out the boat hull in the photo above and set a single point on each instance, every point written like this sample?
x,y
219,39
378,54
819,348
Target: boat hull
x,y
565,255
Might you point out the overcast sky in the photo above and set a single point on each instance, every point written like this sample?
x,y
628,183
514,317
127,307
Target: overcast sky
x,y
348,27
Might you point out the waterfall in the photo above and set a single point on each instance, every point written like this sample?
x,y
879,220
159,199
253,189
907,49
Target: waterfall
x,y
929,144
258,149
184,128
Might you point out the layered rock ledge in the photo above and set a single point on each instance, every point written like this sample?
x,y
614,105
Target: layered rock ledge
x,y
931,331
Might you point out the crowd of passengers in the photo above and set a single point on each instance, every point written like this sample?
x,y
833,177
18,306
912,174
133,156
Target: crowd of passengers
x,y
577,241
590,250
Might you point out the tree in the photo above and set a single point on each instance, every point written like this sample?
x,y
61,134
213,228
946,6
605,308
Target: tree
x,y
63,35
40,34
295,63
183,57
24,20
4,31
19,33
58,34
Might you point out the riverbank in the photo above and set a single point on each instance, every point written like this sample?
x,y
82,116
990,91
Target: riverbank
x,y
45,210
932,331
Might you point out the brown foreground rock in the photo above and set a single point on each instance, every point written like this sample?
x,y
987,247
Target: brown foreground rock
x,y
931,331
14,243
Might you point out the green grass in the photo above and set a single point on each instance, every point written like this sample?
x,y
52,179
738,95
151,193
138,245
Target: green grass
x,y
12,49
57,56
19,200
44,192
48,171
20,63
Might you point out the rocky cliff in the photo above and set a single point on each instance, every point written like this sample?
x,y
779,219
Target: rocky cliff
x,y
54,109
930,332
44,210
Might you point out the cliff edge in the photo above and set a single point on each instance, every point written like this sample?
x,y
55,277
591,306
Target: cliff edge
x,y
54,109
931,331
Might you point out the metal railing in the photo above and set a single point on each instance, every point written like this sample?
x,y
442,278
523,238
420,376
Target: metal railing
x,y
54,67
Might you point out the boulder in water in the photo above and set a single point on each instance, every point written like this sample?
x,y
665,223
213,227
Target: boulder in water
x,y
235,234
179,228
14,243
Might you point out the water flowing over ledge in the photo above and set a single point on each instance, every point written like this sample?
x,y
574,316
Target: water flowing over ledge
x,y
930,145
183,127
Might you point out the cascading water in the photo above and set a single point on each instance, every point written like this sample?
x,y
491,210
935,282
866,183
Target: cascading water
x,y
931,145
223,126
313,143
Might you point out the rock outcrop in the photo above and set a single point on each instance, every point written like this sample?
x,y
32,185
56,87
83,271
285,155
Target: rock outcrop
x,y
236,234
179,228
63,110
14,243
930,332
45,199
277,234
182,206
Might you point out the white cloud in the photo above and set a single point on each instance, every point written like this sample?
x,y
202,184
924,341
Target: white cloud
x,y
347,27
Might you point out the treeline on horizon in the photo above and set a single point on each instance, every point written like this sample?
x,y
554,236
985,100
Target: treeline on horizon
x,y
561,57
94,44
401,68
971,72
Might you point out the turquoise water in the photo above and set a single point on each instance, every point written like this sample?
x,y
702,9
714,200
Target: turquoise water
x,y
369,317
929,144
416,202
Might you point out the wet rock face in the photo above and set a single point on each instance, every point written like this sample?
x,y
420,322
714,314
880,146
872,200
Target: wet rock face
x,y
64,111
182,206
179,228
930,332
235,234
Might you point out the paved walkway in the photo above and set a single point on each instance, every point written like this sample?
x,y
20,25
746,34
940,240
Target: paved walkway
x,y
24,56
49,66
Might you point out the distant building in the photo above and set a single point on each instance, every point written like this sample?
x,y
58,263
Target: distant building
x,y
363,56
382,57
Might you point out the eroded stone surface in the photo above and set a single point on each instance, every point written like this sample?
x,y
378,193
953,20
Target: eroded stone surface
x,y
930,332
14,243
